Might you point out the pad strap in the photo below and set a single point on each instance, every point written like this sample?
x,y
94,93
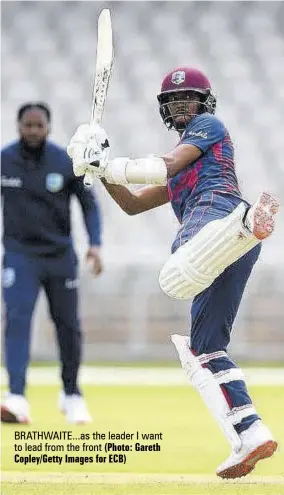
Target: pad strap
x,y
237,414
203,380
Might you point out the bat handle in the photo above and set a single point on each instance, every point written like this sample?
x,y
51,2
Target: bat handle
x,y
89,176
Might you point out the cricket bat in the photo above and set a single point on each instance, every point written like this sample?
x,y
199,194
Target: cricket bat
x,y
102,75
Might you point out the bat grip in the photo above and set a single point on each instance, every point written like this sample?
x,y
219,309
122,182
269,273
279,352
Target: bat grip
x,y
89,176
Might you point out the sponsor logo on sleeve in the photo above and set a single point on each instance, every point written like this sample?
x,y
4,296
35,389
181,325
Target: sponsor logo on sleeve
x,y
203,135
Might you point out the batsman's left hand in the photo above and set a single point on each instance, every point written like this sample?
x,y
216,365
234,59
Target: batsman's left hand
x,y
89,150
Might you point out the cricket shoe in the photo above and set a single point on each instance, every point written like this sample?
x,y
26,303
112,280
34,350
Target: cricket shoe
x,y
74,408
257,444
260,217
15,409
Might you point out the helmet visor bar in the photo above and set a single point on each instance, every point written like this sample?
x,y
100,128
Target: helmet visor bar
x,y
179,106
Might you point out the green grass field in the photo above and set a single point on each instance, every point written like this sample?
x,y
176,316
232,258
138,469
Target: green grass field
x,y
191,448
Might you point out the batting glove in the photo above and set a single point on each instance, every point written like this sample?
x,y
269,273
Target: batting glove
x,y
89,150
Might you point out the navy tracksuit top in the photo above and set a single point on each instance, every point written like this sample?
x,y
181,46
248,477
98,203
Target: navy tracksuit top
x,y
37,188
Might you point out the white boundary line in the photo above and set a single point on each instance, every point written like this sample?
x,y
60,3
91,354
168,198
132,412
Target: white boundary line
x,y
92,375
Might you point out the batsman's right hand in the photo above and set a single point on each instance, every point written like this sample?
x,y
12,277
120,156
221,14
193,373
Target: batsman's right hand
x,y
89,150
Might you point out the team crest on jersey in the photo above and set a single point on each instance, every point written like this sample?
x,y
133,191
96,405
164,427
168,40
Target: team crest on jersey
x,y
178,77
8,277
54,182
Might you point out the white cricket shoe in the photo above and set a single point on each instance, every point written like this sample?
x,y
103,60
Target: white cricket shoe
x,y
74,408
260,217
15,409
257,444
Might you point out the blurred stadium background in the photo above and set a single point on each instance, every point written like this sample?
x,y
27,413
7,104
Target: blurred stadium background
x,y
48,53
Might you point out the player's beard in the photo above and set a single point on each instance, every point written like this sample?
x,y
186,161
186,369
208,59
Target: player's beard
x,y
183,112
33,149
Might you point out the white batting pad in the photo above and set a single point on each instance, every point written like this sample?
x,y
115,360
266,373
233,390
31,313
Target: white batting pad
x,y
204,382
198,262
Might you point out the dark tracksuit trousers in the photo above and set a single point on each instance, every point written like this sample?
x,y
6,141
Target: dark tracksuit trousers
x,y
214,310
23,276
37,186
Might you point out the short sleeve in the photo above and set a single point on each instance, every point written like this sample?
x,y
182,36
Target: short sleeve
x,y
203,132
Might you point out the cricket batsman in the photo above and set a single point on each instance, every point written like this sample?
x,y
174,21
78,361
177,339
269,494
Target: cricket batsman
x,y
213,253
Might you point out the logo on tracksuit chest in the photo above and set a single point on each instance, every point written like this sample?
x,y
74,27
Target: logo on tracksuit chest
x,y
54,182
8,277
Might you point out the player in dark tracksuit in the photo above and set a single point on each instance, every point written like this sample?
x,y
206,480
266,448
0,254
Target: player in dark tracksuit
x,y
213,253
37,185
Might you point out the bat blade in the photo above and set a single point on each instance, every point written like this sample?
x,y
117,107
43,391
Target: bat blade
x,y
103,65
102,76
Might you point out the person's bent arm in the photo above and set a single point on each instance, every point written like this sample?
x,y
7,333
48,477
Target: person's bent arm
x,y
91,156
180,157
134,202
151,170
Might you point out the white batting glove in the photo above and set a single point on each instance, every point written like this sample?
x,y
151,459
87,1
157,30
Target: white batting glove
x,y
89,150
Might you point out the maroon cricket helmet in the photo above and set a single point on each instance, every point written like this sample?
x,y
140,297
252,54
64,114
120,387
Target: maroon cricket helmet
x,y
179,86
